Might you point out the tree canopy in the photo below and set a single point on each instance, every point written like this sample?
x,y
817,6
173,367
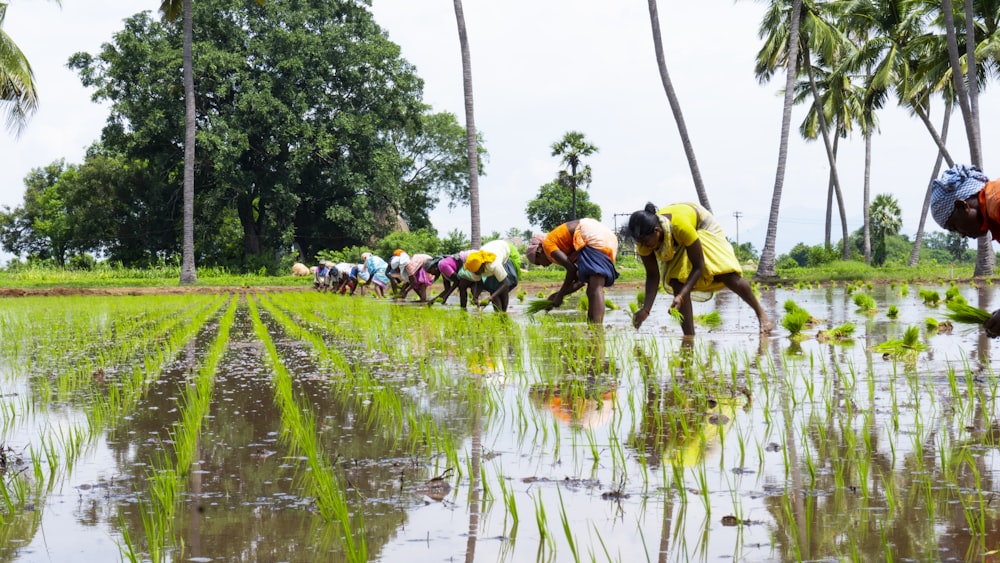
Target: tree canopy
x,y
311,131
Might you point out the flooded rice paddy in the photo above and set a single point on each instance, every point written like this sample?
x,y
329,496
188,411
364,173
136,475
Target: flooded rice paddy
x,y
314,427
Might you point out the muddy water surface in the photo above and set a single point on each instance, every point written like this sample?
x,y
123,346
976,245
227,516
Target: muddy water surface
x,y
470,436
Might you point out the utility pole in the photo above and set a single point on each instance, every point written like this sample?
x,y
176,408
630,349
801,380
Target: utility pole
x,y
737,214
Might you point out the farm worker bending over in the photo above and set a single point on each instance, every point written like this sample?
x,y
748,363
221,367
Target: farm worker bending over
x,y
684,247
417,277
395,271
372,271
587,250
448,267
494,266
965,201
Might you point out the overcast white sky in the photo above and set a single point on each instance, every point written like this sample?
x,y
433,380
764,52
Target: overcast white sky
x,y
542,68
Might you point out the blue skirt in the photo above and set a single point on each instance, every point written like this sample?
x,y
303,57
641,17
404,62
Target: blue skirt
x,y
593,262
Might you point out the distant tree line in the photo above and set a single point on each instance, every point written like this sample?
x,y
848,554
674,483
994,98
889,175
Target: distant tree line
x,y
312,134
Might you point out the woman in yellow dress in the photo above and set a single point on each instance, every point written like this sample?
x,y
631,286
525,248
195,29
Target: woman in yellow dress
x,y
682,246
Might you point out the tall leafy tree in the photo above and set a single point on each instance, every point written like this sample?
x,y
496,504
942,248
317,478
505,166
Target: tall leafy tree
x,y
553,207
572,149
300,109
675,107
766,268
18,95
470,125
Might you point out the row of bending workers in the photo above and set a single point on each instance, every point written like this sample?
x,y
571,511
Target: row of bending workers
x,y
683,250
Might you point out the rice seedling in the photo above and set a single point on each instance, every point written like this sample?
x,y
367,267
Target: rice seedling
x,y
837,333
583,303
538,305
711,320
930,297
931,324
962,312
610,305
892,312
907,346
865,303
677,315
795,320
521,295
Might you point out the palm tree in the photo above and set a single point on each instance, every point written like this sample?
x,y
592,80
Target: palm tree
x,y
966,88
472,145
572,148
171,9
767,258
885,222
675,107
17,82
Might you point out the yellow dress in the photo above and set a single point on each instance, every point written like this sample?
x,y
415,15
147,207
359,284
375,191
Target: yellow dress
x,y
690,222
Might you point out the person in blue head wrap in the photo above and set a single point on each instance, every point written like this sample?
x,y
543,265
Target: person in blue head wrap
x,y
965,201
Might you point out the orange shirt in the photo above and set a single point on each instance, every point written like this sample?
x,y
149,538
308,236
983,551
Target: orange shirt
x,y
989,206
588,232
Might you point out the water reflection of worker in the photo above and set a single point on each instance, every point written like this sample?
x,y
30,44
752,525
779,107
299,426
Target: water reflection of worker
x,y
586,249
586,405
682,425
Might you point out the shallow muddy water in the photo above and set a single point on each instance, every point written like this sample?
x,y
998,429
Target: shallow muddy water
x,y
314,427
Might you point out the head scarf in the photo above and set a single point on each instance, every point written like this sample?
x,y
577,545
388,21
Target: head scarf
x,y
397,252
535,246
956,183
475,260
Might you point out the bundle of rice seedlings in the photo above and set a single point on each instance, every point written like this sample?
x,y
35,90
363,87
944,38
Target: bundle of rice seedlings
x,y
931,323
610,305
842,332
962,312
676,314
711,320
951,294
794,321
930,297
633,307
866,303
793,307
583,304
909,344
538,305
640,298
893,312
520,295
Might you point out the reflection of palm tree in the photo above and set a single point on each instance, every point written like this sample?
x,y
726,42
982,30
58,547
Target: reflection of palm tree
x,y
17,81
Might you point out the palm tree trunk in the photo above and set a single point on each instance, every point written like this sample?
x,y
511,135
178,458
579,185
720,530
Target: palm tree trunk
x,y
188,272
830,154
938,140
985,259
867,228
472,145
827,233
767,258
675,108
918,239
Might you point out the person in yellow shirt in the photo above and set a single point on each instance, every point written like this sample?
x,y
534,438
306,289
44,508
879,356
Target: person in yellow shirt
x,y
587,250
685,249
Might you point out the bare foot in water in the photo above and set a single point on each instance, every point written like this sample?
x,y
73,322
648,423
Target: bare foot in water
x,y
766,325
